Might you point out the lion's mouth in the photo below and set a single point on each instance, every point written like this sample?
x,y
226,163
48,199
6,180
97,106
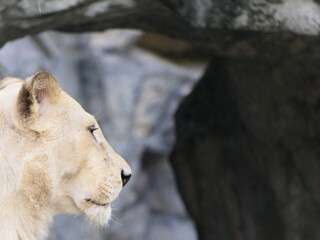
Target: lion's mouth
x,y
96,203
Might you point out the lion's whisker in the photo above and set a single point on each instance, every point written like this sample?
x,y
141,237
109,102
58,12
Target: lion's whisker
x,y
113,219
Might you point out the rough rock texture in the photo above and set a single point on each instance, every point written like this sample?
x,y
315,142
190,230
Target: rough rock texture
x,y
247,152
298,16
204,23
133,93
246,157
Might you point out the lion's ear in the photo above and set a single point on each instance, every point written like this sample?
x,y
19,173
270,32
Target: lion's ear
x,y
36,94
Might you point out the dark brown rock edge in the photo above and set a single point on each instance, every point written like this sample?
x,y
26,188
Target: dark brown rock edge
x,y
247,151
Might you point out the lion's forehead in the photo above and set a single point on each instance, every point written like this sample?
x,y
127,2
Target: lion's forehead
x,y
69,114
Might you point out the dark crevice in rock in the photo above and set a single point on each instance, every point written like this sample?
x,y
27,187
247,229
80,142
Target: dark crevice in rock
x,y
246,152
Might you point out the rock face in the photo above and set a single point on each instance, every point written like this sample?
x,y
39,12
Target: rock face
x,y
225,27
247,154
299,16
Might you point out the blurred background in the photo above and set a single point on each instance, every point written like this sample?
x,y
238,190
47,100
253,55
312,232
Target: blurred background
x,y
215,104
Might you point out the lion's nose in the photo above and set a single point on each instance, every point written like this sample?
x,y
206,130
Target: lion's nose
x,y
125,177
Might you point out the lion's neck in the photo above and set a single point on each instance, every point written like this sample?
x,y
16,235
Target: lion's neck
x,y
28,210
14,150
25,218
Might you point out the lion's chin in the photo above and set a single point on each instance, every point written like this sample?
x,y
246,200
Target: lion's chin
x,y
99,214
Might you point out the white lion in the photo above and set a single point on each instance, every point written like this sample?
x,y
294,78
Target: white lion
x,y
53,159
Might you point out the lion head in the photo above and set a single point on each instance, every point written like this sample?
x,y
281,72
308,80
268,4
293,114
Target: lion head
x,y
82,173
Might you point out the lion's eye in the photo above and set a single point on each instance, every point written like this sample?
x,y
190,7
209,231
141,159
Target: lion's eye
x,y
92,130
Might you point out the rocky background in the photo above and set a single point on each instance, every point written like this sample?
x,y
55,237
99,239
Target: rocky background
x,y
244,148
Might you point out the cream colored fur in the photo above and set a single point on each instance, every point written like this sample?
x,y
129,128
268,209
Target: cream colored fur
x,y
52,160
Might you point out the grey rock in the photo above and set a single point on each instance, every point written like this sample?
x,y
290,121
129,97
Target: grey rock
x,y
232,27
173,228
294,15
288,15
68,227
